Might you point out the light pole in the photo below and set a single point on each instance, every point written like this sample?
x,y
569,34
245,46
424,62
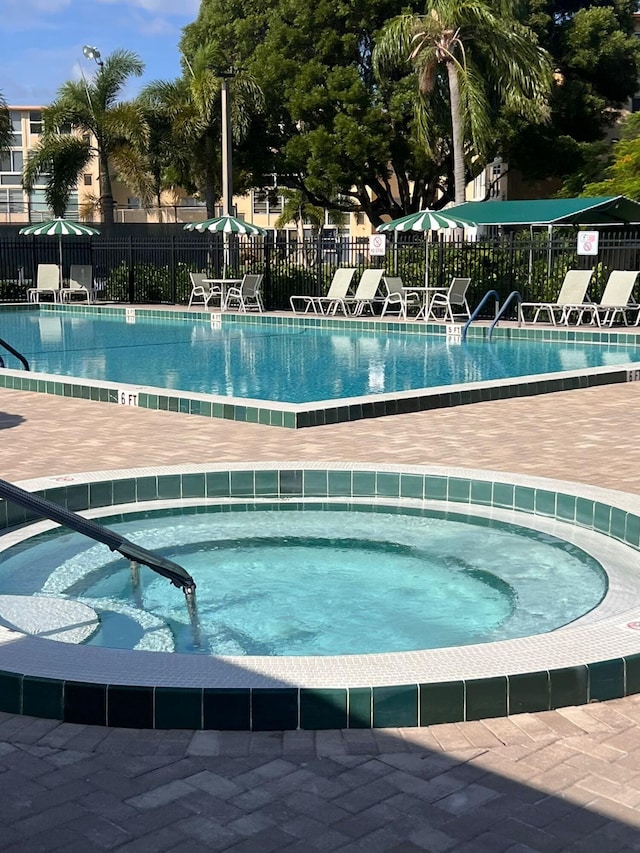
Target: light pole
x,y
227,160
93,53
105,200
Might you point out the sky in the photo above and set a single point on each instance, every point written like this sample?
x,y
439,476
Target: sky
x,y
41,42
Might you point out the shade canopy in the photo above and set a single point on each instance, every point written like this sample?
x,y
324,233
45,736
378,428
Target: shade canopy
x,y
600,210
226,225
425,220
59,228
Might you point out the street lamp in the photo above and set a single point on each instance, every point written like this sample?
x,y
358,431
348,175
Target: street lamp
x,y
227,167
93,53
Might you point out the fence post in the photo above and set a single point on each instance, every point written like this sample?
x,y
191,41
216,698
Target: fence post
x,y
174,287
319,264
267,272
132,292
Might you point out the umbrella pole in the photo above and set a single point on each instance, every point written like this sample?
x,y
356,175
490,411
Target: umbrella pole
x,y
60,258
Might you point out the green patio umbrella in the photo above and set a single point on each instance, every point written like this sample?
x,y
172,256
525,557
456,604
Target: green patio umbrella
x,y
426,221
226,225
59,228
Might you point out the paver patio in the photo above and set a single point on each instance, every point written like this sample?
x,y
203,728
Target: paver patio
x,y
566,780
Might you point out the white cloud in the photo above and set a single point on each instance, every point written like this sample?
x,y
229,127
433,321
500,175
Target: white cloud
x,y
168,8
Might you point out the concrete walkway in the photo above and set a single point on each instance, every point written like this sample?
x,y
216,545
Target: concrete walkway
x,y
566,780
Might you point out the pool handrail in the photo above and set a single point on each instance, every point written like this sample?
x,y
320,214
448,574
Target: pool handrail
x,y
479,307
514,295
15,352
47,509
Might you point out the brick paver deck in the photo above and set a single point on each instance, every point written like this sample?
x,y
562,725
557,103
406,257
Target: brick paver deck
x,y
566,780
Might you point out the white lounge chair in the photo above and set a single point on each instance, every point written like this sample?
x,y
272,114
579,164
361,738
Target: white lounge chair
x,y
80,284
47,281
366,295
247,294
452,301
201,289
572,293
338,289
616,300
398,296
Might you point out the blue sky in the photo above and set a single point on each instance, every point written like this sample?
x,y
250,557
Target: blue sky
x,y
41,41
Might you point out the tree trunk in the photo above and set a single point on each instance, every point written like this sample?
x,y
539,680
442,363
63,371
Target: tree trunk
x,y
457,136
210,195
106,193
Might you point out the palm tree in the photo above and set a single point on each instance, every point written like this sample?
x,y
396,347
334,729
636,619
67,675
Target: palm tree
x,y
95,115
62,157
5,125
478,55
194,104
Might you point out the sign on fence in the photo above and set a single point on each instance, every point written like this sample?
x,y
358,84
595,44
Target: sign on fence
x,y
587,242
377,244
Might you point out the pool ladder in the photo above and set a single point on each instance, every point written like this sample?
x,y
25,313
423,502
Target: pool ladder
x,y
136,554
15,352
514,296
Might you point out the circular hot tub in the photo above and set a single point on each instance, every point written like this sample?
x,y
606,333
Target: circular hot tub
x,y
327,597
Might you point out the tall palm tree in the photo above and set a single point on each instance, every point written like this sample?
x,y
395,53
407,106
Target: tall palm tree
x,y
95,115
476,54
5,125
194,105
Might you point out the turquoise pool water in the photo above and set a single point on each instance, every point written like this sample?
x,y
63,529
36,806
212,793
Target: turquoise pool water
x,y
283,364
317,582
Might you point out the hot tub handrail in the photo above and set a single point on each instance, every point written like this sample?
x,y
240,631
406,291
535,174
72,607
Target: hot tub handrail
x,y
47,509
15,352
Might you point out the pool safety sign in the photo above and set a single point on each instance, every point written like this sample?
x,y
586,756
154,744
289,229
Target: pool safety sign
x,y
377,244
587,242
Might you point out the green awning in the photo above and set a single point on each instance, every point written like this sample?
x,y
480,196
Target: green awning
x,y
602,210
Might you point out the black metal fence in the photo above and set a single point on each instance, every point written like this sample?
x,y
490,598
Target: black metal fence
x,y
138,270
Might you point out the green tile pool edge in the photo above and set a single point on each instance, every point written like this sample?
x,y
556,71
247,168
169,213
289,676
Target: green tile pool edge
x,y
394,706
309,415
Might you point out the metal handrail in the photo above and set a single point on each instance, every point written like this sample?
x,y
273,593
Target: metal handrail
x,y
15,352
479,307
505,305
47,509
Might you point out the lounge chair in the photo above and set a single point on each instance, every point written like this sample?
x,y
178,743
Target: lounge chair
x,y
338,289
572,293
247,294
47,281
201,289
451,300
366,295
398,296
616,300
80,284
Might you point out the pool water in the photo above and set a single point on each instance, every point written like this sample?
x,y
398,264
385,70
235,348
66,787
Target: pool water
x,y
316,582
285,364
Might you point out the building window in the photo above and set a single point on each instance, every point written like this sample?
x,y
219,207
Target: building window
x,y
16,128
35,122
11,201
12,161
266,202
133,202
88,180
635,104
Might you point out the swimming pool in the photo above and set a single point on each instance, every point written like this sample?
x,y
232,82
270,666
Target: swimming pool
x,y
596,657
315,580
300,371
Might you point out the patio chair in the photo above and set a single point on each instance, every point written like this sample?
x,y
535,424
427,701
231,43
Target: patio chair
x,y
47,281
247,294
338,289
450,300
201,289
366,295
80,284
398,297
616,300
572,293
